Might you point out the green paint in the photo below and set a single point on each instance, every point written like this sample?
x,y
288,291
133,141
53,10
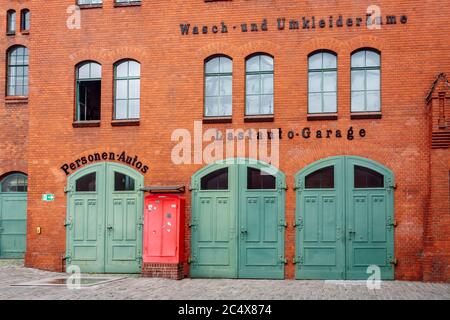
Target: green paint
x,y
48,197
343,230
104,227
237,233
13,224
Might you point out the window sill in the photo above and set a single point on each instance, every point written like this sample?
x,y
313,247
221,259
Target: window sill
x,y
127,4
365,115
259,118
17,99
86,124
226,119
126,122
90,6
25,32
321,116
10,34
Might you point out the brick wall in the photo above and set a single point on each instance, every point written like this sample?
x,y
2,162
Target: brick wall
x,y
172,97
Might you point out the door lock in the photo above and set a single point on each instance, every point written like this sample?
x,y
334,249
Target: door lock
x,y
244,231
109,227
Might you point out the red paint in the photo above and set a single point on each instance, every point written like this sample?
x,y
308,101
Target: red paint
x,y
163,229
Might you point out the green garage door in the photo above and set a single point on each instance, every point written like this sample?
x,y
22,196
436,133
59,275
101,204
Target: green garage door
x,y
13,216
344,219
105,219
238,221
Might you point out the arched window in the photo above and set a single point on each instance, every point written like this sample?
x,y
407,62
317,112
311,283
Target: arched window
x,y
11,22
216,180
322,84
17,71
259,85
127,76
367,178
87,183
320,179
259,179
89,80
218,86
16,182
366,79
25,20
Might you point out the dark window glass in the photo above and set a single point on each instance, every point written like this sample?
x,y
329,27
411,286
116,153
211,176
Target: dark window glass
x,y
257,179
320,179
217,180
122,182
25,20
15,183
368,178
86,183
11,22
89,81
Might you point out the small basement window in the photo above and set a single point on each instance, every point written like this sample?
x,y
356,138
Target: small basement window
x,y
89,81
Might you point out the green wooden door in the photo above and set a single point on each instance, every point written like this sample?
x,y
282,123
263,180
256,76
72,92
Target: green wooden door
x,y
237,231
261,224
320,222
13,216
104,221
344,219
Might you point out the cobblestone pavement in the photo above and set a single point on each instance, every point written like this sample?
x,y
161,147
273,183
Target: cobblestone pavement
x,y
134,287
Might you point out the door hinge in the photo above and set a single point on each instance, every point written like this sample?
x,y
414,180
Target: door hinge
x,y
68,223
191,260
283,260
298,223
68,189
283,223
393,261
67,258
391,223
192,224
297,260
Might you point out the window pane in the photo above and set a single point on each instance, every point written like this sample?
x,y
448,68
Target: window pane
x,y
257,179
225,106
373,101
252,105
212,66
123,182
135,89
372,59
211,106
14,183
266,63
86,183
225,85
373,79
357,80
211,86
134,69
368,178
329,60
121,109
121,89
330,81
252,64
315,82
83,71
315,103
358,101
267,83
267,104
329,100
134,109
96,70
217,180
226,65
122,70
253,84
320,179
315,61
89,99
358,59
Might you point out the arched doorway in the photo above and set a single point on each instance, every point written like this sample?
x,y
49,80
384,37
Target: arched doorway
x,y
105,219
13,215
344,219
238,221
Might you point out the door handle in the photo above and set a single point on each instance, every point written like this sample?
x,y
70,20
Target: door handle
x,y
244,231
109,227
350,232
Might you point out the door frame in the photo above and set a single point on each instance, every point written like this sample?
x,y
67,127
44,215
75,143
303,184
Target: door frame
x,y
346,161
103,189
235,163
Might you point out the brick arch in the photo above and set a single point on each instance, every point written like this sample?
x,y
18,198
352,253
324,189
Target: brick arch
x,y
324,43
365,41
259,46
216,49
106,56
6,171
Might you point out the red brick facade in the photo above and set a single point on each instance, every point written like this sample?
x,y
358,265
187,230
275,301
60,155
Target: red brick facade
x,y
37,137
